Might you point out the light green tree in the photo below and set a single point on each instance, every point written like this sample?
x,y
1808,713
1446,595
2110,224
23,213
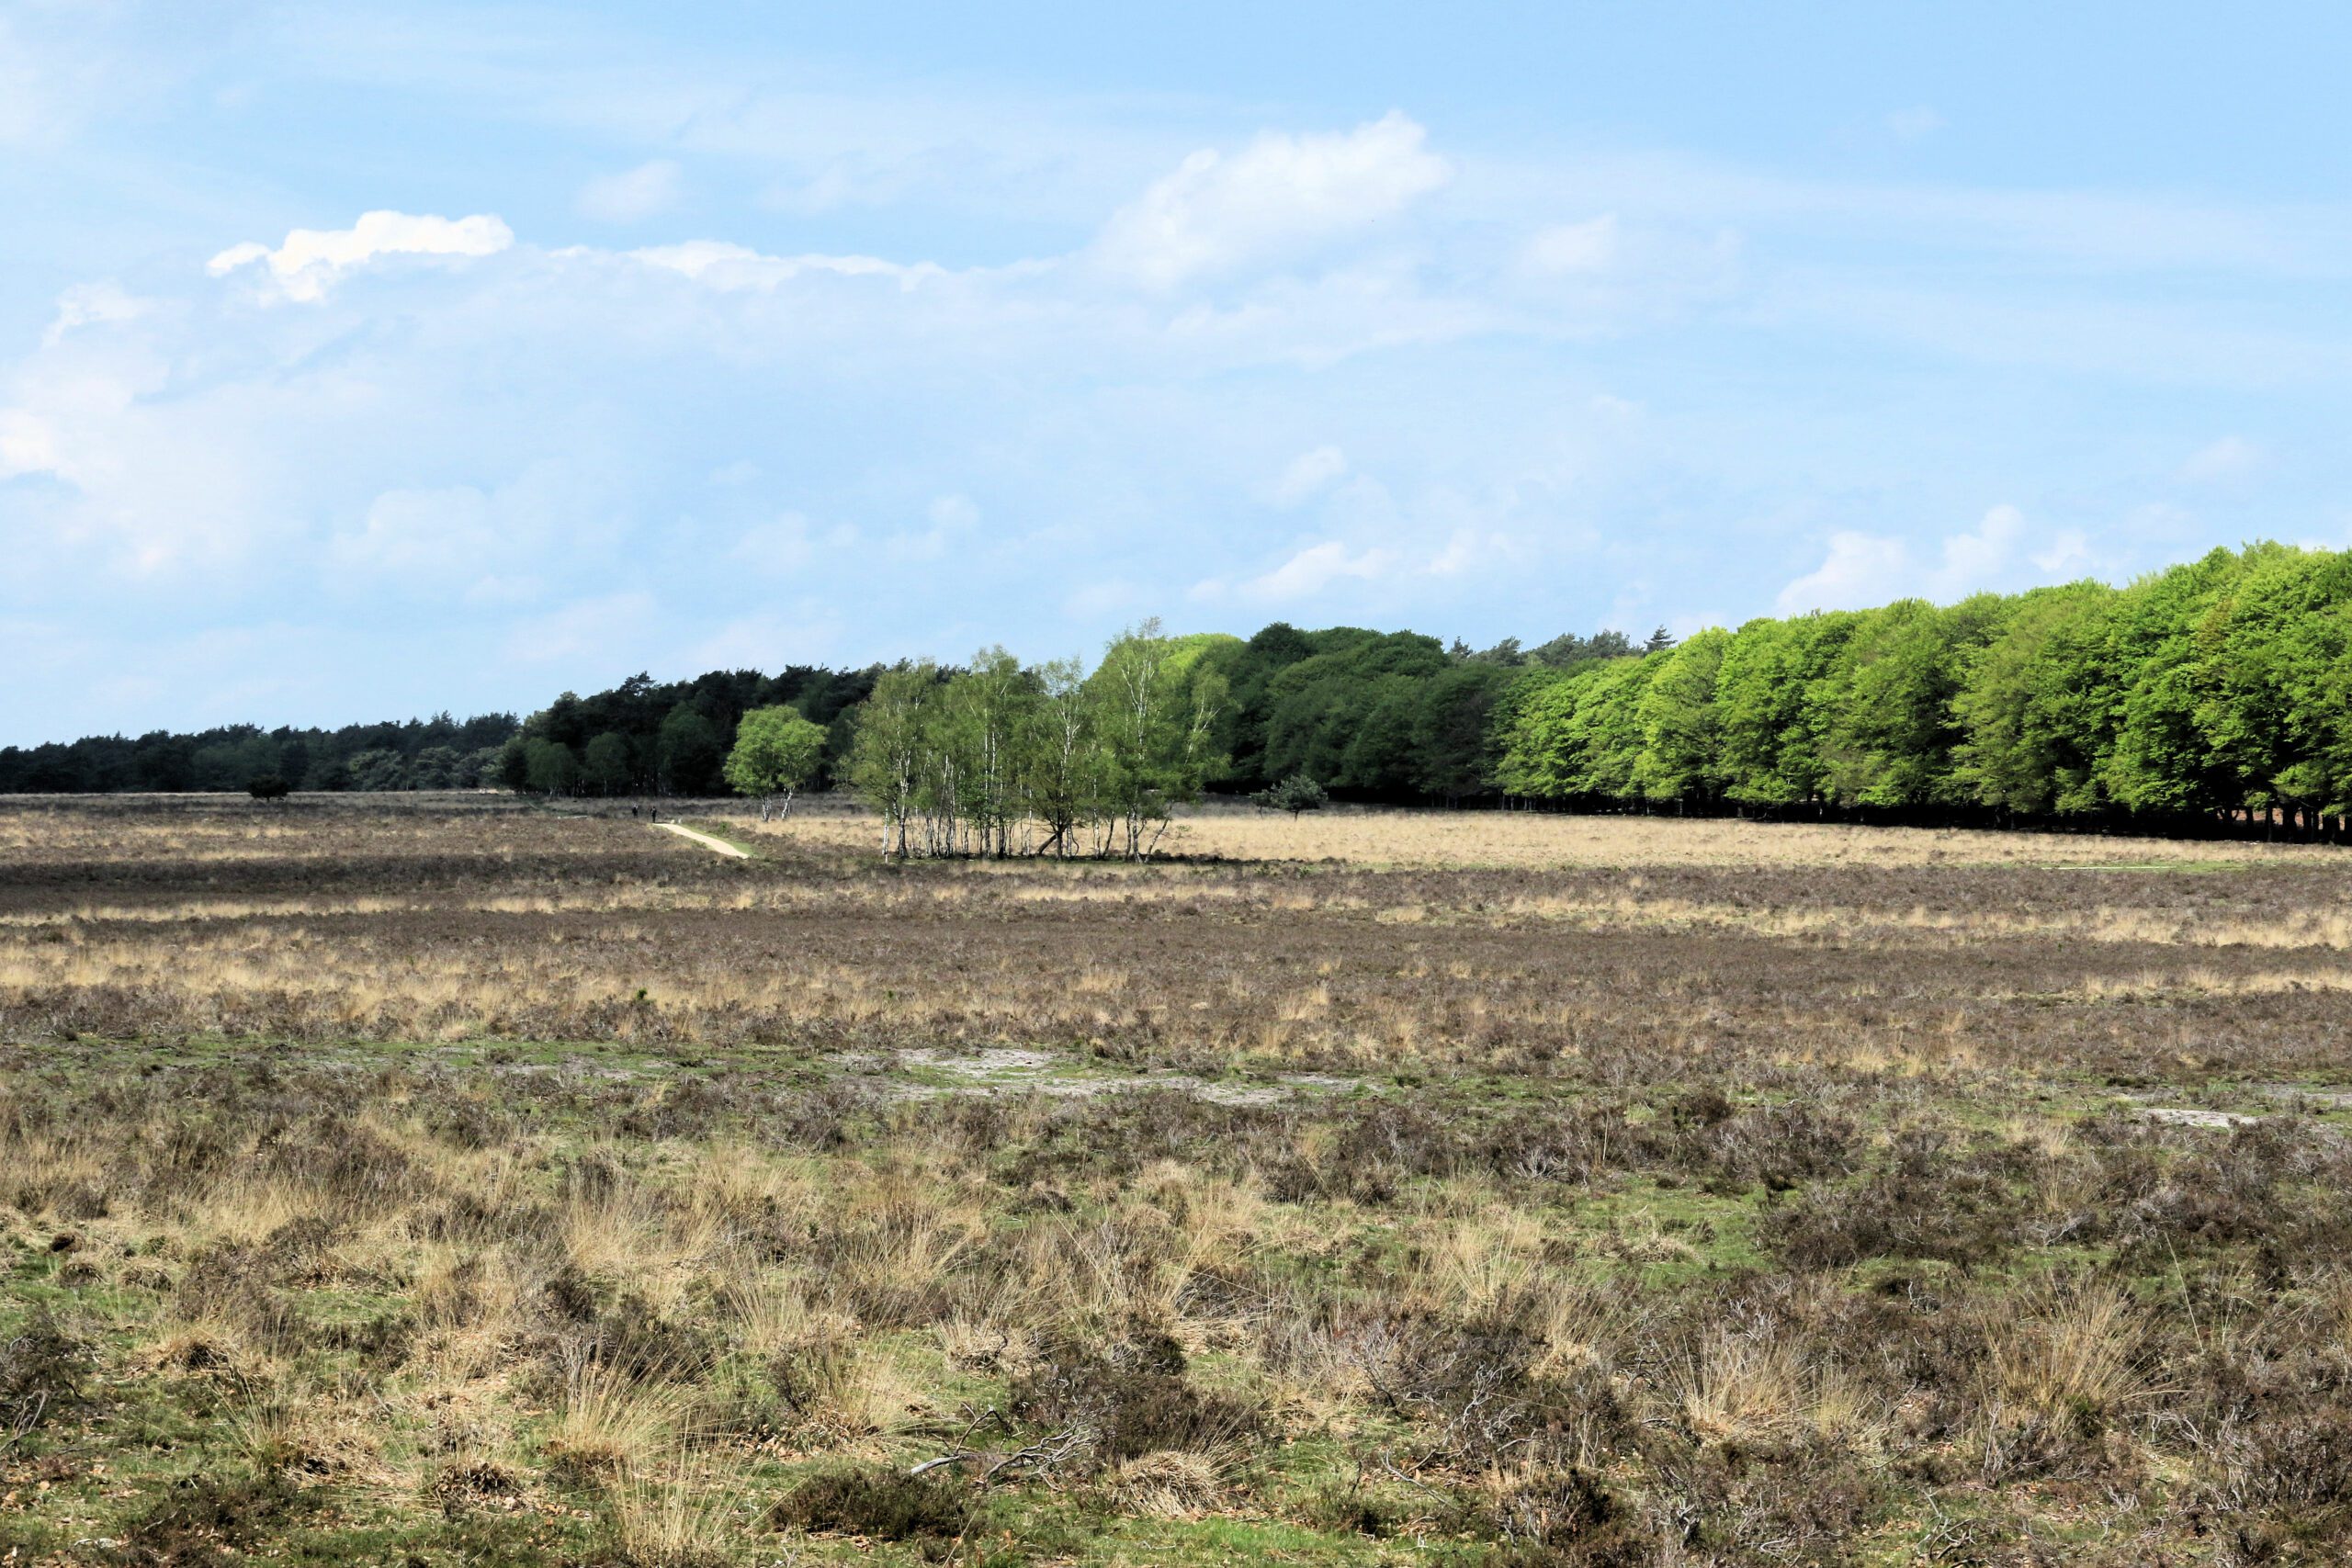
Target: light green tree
x,y
984,716
1678,715
1158,708
1538,755
886,754
2273,715
1883,714
2028,726
1765,689
2163,677
1060,766
776,754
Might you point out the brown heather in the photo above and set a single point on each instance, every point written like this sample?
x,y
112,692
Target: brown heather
x,y
434,1180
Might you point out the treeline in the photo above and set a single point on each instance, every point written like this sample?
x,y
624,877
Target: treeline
x,y
440,752
2213,694
1374,715
646,737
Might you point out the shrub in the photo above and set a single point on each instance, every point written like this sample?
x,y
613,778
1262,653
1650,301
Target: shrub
x,y
1133,1398
44,1368
202,1522
877,1502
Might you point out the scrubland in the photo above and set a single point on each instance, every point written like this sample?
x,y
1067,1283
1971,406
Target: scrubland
x,y
436,1182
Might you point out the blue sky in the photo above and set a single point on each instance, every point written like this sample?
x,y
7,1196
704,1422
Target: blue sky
x,y
361,361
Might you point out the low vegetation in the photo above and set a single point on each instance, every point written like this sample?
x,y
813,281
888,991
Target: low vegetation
x,y
453,1182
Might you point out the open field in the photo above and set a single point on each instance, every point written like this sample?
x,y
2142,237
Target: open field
x,y
433,1180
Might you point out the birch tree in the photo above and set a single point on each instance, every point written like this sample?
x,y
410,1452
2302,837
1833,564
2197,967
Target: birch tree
x,y
886,756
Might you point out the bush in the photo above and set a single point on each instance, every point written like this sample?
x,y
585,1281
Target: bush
x,y
203,1522
1295,795
1562,1518
1134,1398
44,1370
878,1504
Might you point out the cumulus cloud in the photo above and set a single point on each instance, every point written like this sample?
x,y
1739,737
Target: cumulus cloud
x,y
1865,570
1467,549
584,634
787,544
1317,568
1861,570
724,265
1590,246
2227,458
1307,474
953,511
489,539
27,444
808,634
1282,193
92,304
951,517
311,260
632,195
1606,274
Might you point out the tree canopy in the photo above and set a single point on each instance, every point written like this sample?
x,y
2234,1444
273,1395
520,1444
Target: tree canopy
x,y
776,752
2219,689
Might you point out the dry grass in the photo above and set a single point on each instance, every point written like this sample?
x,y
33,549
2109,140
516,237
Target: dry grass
x,y
1424,839
534,1189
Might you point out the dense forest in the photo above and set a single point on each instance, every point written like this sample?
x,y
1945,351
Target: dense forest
x,y
440,752
2216,692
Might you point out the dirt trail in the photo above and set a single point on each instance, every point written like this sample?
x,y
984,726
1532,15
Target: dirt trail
x,y
706,840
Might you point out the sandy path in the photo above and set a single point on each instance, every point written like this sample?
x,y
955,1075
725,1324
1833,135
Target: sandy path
x,y
704,840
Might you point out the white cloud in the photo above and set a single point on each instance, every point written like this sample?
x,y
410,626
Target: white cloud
x,y
488,539
92,304
1863,570
632,195
419,531
2067,553
27,444
1605,275
784,545
1308,473
1467,549
1282,193
953,511
1318,566
723,266
951,517
1911,124
766,641
312,259
2227,458
1590,246
583,635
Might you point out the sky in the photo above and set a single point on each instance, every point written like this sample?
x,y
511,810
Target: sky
x,y
364,361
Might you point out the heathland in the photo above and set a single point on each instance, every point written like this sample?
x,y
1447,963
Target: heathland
x,y
437,1179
